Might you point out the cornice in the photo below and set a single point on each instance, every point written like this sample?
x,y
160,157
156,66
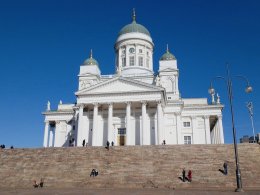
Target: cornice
x,y
133,93
58,112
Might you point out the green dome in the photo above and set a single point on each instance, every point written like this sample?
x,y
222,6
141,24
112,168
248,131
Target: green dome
x,y
90,60
168,55
134,27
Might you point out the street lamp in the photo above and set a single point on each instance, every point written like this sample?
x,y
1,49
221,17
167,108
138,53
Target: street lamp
x,y
248,89
249,105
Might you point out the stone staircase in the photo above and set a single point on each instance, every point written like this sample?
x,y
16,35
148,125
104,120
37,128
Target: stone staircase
x,y
130,166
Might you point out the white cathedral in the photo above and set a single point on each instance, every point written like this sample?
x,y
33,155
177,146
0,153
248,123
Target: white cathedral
x,y
133,106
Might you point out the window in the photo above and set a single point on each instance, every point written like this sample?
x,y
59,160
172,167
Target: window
x,y
147,62
132,50
140,61
122,131
186,124
132,60
123,62
187,139
140,51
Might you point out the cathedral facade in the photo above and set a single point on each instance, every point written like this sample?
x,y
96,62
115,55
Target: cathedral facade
x,y
133,106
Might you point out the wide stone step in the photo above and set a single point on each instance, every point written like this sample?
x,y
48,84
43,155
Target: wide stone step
x,y
130,166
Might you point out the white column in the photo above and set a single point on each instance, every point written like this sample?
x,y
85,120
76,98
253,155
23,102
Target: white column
x,y
56,134
128,123
207,130
136,60
214,135
95,126
143,129
119,58
180,139
145,57
194,131
80,126
51,137
127,56
221,133
177,84
158,133
46,133
110,123
86,127
217,133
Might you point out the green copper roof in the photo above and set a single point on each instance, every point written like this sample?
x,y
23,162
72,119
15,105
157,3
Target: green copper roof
x,y
134,27
168,55
90,60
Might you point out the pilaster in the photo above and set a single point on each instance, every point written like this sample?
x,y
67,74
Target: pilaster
x,y
194,130
179,127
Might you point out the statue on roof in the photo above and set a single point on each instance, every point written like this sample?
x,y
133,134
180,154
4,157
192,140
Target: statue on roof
x,y
48,106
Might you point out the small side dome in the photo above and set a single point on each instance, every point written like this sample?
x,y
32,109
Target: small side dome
x,y
134,27
90,60
168,55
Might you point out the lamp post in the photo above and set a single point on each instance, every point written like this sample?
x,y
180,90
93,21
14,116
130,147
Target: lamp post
x,y
248,89
249,105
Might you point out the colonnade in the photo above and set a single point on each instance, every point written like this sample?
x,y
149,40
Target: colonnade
x,y
217,134
97,136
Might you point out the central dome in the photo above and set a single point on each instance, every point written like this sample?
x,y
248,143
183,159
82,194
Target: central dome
x,y
134,27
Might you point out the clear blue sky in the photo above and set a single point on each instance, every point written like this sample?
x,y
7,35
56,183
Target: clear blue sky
x,y
43,44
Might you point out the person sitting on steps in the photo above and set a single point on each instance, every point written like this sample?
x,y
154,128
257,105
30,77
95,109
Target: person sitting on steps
x,y
35,184
94,173
41,182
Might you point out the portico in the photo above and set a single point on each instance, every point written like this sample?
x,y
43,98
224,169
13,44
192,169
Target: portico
x,y
124,123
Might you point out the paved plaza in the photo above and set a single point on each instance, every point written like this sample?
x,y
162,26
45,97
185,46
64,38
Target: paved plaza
x,y
149,191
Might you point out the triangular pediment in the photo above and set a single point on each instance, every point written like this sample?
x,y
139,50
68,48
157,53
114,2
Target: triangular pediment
x,y
119,85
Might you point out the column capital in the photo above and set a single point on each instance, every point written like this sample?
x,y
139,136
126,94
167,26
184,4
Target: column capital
x,y
80,105
177,113
206,117
128,103
193,117
144,102
110,104
159,101
219,117
95,103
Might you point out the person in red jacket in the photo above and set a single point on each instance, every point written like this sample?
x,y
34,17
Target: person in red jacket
x,y
190,175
